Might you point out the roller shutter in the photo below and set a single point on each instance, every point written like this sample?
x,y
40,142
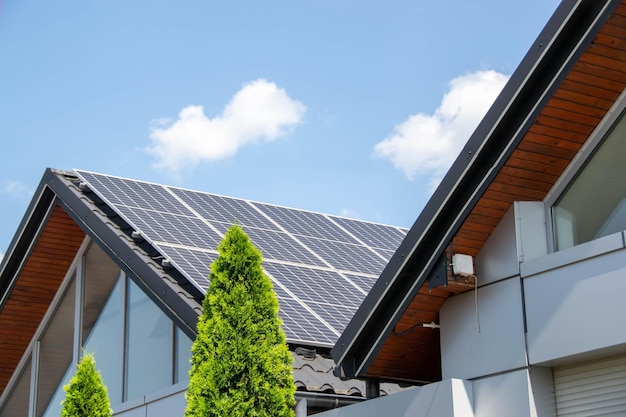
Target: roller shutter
x,y
594,388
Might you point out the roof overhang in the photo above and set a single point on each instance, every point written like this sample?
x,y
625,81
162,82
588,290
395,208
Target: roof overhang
x,y
562,89
55,225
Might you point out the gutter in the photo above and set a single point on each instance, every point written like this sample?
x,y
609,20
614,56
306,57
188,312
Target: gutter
x,y
306,399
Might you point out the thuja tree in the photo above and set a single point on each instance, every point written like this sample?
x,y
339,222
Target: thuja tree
x,y
240,364
85,394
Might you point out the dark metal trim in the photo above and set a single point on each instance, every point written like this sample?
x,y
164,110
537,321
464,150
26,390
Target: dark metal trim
x,y
327,401
28,230
127,255
555,51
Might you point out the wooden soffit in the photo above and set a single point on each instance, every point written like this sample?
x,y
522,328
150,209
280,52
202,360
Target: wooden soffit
x,y
581,101
36,285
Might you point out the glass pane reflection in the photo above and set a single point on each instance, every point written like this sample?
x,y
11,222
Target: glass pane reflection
x,y
150,345
55,355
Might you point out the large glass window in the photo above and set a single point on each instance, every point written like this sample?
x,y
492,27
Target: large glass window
x,y
17,404
103,318
106,343
138,348
594,205
183,356
150,345
55,356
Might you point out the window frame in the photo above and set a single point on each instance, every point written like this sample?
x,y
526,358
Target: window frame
x,y
560,187
76,273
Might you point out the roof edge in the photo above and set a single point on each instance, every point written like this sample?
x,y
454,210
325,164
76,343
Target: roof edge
x,y
30,225
563,39
165,292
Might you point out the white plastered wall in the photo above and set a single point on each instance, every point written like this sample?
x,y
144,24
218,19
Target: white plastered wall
x,y
521,393
575,302
449,398
494,356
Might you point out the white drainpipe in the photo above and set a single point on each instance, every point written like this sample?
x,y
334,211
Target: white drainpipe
x,y
301,408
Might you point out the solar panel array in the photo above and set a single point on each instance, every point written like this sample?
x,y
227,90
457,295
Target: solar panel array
x,y
322,266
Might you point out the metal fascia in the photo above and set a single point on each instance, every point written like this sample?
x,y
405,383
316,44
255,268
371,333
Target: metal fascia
x,y
126,257
560,21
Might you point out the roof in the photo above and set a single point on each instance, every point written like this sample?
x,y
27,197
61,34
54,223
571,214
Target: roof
x,y
165,237
562,89
314,372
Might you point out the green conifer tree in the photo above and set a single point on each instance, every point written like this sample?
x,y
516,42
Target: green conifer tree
x,y
86,395
240,364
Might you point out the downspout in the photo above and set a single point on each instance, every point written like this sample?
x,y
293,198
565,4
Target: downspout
x,y
307,399
372,389
301,408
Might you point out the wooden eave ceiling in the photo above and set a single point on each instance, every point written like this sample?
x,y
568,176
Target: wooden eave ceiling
x,y
37,283
557,134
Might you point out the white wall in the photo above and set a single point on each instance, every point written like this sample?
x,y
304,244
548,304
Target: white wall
x,y
167,403
495,357
498,257
514,394
578,306
502,395
520,236
498,347
449,398
542,401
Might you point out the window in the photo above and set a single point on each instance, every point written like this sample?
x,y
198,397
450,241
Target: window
x,y
103,318
55,356
17,405
152,341
183,356
594,204
138,348
150,345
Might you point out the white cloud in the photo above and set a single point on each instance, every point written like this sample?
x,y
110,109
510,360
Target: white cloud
x,y
426,145
17,190
259,112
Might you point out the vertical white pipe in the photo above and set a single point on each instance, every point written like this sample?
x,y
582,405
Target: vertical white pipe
x,y
301,408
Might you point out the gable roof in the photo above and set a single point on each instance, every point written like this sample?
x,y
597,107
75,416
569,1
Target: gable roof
x,y
165,238
563,88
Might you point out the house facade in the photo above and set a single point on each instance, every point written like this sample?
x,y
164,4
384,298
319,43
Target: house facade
x,y
119,268
506,296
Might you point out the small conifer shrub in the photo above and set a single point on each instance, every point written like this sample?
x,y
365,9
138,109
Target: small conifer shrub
x,y
85,394
240,364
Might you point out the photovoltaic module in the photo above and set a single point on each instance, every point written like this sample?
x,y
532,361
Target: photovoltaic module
x,y
322,266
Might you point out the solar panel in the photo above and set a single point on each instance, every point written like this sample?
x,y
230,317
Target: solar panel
x,y
347,257
372,234
279,246
336,316
223,209
305,223
362,281
322,266
196,263
299,324
131,193
172,228
317,285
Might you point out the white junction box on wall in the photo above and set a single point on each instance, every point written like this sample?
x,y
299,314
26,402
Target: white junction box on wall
x,y
462,265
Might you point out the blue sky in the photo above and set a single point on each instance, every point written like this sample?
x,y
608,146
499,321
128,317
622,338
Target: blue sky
x,y
353,108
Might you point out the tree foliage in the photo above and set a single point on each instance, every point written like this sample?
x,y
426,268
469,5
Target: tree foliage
x,y
240,364
85,394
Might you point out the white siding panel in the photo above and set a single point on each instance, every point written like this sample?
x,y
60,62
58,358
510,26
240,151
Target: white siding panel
x,y
576,309
498,257
595,388
499,346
